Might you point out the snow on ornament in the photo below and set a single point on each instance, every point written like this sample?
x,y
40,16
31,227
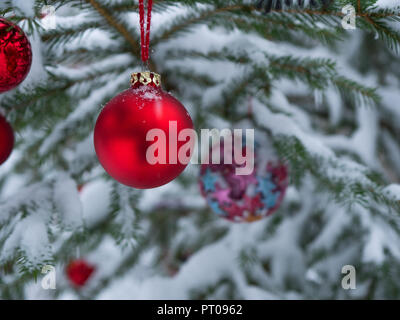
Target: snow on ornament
x,y
244,198
15,55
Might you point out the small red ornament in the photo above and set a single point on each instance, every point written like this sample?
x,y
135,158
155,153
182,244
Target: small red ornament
x,y
6,139
15,55
79,271
80,187
121,130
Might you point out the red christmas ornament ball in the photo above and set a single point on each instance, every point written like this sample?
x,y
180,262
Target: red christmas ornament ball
x,y
79,271
6,139
121,130
15,55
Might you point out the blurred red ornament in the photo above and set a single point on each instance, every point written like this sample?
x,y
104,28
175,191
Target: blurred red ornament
x,y
79,271
15,55
6,139
122,126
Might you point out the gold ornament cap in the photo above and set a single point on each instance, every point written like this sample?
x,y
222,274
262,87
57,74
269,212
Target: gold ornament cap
x,y
145,78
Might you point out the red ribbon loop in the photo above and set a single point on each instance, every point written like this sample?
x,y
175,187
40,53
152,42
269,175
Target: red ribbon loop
x,y
145,34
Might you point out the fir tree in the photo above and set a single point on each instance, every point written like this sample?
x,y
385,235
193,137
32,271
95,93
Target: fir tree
x,y
324,96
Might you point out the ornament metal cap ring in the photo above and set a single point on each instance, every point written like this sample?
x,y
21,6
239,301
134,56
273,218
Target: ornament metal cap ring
x,y
145,78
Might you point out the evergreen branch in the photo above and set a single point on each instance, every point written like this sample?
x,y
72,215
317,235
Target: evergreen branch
x,y
126,215
237,90
382,13
389,36
22,100
61,35
242,10
191,20
120,6
366,192
347,86
122,30
317,73
283,27
116,25
86,55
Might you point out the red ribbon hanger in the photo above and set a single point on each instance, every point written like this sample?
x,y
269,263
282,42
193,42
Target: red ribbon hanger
x,y
145,34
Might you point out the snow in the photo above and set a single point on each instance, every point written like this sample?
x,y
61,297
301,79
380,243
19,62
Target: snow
x,y
374,249
67,201
34,241
30,236
82,155
95,198
387,3
337,219
35,193
126,217
381,239
106,258
208,265
166,195
85,107
36,73
34,291
279,123
393,191
363,140
26,6
115,61
334,103
147,93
